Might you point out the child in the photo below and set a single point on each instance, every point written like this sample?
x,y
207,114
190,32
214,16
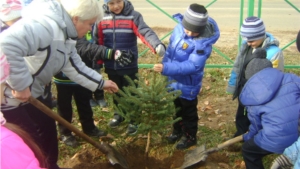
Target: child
x,y
291,155
119,29
253,32
89,53
272,99
190,46
18,149
37,47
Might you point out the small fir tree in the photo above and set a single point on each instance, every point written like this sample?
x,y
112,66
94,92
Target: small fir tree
x,y
148,102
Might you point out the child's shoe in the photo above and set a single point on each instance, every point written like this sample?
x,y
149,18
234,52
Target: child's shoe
x,y
186,142
175,136
93,103
132,129
102,103
69,140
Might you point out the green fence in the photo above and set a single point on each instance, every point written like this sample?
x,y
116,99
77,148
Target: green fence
x,y
250,7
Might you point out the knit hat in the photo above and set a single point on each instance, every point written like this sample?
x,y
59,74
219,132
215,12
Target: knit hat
x,y
195,18
253,28
258,63
298,41
10,10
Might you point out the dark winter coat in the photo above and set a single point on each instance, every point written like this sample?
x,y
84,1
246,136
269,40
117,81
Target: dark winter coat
x,y
121,32
87,51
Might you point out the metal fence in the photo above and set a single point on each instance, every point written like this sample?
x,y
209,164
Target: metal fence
x,y
250,8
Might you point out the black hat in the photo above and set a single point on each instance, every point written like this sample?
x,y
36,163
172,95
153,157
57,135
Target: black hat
x,y
258,63
195,18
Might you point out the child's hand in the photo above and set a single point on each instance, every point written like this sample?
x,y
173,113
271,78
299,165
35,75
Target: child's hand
x,y
110,86
158,67
160,49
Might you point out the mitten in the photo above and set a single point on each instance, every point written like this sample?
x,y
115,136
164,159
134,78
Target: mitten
x,y
123,58
282,162
160,49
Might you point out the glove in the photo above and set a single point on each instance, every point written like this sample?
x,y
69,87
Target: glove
x,y
282,162
123,58
160,49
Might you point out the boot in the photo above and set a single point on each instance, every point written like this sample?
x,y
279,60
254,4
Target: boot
x,y
175,136
186,142
69,140
96,133
116,121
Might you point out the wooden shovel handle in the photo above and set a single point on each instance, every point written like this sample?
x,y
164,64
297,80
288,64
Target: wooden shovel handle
x,y
102,147
230,142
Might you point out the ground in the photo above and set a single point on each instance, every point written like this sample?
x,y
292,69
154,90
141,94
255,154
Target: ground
x,y
216,111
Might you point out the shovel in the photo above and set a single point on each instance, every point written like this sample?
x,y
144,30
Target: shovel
x,y
113,156
200,154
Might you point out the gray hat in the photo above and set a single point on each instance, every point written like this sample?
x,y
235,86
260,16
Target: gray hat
x,y
195,18
258,63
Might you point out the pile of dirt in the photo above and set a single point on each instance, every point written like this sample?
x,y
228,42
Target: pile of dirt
x,y
92,158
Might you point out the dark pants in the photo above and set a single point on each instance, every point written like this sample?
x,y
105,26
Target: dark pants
x,y
189,115
98,94
64,106
242,122
41,127
253,155
121,82
48,94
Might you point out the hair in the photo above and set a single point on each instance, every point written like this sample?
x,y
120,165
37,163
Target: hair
x,y
84,9
29,141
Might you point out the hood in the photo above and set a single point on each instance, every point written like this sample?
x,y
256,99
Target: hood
x,y
270,40
128,8
41,10
261,87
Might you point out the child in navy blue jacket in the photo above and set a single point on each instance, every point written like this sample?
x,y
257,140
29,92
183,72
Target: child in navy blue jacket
x,y
184,61
119,29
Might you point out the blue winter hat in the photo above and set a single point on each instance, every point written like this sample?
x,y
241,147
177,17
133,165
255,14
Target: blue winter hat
x,y
253,28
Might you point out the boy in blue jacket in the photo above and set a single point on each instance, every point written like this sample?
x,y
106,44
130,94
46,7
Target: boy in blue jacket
x,y
291,156
272,100
184,61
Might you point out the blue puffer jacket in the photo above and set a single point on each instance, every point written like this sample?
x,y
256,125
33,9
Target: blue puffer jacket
x,y
185,58
272,99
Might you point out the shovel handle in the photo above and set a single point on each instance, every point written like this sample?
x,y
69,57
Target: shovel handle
x,y
103,147
230,142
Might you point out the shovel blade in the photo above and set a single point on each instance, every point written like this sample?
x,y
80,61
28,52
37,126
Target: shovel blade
x,y
194,156
112,155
